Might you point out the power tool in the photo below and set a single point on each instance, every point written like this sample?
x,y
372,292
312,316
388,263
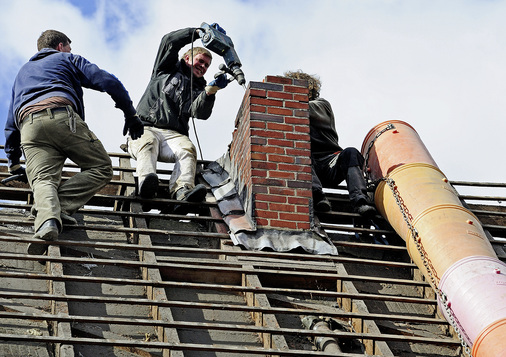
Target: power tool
x,y
216,41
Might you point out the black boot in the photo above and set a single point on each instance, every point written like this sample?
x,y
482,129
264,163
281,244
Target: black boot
x,y
48,231
320,202
196,194
148,190
357,189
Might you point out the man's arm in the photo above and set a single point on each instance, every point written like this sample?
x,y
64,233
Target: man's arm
x,y
12,140
170,45
98,79
202,106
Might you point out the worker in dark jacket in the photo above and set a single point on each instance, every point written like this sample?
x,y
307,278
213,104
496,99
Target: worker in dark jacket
x,y
176,91
46,120
331,163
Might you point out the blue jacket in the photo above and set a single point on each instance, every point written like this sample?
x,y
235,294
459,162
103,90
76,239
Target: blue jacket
x,y
51,73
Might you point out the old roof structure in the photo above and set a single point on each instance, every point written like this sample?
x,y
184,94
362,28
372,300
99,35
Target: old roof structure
x,y
124,282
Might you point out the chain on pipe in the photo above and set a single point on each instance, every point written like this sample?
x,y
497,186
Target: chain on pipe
x,y
434,279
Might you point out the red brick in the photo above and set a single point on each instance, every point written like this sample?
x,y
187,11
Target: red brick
x,y
282,224
281,158
258,156
282,191
298,152
298,105
303,209
301,97
293,89
281,95
258,141
260,190
298,201
301,128
259,205
258,93
278,79
259,173
280,142
297,137
257,124
267,149
297,120
300,113
258,109
266,102
282,174
268,182
303,226
267,133
305,193
281,207
264,165
262,222
270,198
303,145
304,177
267,214
296,168
294,217
279,111
279,126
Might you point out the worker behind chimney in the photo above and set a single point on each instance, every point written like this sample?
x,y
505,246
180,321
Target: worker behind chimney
x,y
176,91
46,119
332,164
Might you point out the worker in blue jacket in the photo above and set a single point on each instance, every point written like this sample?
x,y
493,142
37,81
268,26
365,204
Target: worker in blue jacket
x,y
46,122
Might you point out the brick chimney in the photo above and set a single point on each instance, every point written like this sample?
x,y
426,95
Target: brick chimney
x,y
270,151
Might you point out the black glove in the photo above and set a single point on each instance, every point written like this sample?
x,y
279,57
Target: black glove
x,y
18,173
133,125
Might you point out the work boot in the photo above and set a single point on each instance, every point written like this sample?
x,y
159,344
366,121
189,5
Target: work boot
x,y
357,189
149,186
196,194
148,190
48,232
65,217
321,203
366,210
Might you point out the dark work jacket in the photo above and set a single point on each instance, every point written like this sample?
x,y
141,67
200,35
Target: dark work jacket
x,y
322,128
166,103
50,73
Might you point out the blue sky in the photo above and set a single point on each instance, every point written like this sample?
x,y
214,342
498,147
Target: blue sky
x,y
438,65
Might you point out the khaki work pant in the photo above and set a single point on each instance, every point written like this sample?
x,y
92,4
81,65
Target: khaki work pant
x,y
48,138
166,146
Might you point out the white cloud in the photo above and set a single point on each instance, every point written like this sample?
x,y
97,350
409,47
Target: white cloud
x,y
436,65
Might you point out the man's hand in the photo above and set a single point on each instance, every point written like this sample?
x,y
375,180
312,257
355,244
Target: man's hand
x,y
216,84
133,125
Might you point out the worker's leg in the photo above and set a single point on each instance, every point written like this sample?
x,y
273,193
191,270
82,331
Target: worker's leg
x,y
87,152
179,149
44,163
146,151
320,201
350,163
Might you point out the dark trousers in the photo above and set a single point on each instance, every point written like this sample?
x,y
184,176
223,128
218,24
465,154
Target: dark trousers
x,y
332,169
